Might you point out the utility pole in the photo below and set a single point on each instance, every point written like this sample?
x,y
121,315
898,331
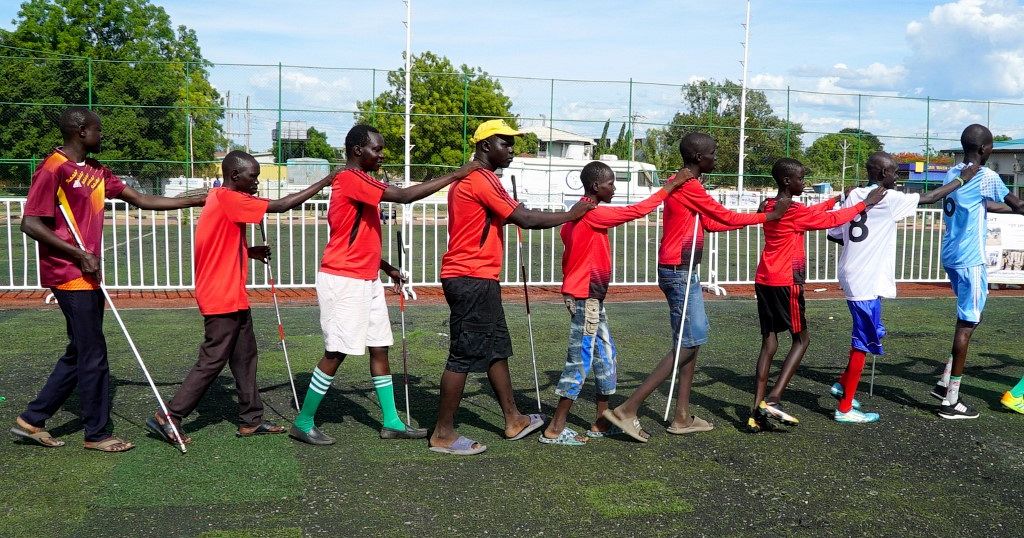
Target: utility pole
x,y
743,102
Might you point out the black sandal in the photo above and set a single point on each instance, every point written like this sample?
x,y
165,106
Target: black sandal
x,y
165,431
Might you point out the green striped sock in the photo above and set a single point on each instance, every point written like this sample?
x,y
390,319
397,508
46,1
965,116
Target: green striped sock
x,y
1018,390
318,385
386,395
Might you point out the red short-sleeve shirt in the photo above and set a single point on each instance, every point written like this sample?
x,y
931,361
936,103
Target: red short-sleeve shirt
x,y
221,254
354,247
83,189
477,208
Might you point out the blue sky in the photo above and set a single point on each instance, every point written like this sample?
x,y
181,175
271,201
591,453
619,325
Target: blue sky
x,y
963,49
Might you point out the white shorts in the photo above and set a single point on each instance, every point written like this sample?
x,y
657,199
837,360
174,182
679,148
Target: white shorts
x,y
353,314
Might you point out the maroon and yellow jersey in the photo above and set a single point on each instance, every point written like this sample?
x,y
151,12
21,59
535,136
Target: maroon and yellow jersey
x,y
82,188
783,260
587,258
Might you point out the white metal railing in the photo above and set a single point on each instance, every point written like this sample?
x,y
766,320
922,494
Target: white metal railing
x,y
153,249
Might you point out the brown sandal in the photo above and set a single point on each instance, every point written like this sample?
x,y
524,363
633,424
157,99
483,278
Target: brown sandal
x,y
35,434
264,428
110,444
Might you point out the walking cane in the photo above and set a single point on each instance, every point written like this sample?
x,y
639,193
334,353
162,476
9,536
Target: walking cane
x,y
526,295
131,343
682,317
280,327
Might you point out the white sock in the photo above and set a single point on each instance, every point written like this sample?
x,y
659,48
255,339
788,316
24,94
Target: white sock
x,y
946,373
952,391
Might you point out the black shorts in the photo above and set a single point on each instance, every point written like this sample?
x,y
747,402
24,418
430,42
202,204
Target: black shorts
x,y
479,335
780,308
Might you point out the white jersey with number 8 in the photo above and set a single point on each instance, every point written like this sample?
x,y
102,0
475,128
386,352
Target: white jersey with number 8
x,y
867,265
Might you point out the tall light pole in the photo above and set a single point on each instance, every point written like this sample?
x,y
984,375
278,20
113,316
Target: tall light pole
x,y
743,102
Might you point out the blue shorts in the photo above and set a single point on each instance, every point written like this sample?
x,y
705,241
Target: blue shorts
x,y
590,347
970,284
673,284
868,330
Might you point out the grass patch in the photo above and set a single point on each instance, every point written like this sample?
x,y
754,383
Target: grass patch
x,y
639,498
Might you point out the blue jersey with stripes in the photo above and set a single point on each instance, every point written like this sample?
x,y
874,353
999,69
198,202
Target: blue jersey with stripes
x,y
963,212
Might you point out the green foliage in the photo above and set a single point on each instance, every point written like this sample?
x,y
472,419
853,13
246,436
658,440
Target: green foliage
x,y
1002,138
137,59
443,92
315,146
602,145
825,157
714,108
621,146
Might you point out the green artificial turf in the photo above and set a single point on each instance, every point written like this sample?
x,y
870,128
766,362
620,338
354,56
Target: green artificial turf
x,y
912,474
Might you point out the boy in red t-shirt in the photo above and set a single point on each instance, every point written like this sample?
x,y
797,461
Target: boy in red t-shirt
x,y
221,260
353,310
779,284
587,269
68,178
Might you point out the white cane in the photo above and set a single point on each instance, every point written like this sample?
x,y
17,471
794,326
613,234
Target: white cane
x,y
682,317
280,326
131,343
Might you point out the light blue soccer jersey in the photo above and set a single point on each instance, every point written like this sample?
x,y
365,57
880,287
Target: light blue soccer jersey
x,y
963,212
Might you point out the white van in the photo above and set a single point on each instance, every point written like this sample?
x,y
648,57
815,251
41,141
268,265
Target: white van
x,y
548,183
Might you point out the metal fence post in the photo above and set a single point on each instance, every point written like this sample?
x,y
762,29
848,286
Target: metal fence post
x,y
789,129
373,97
927,139
280,127
465,116
88,67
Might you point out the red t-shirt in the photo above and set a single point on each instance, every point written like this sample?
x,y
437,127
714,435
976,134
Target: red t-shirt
x,y
83,189
587,258
477,208
783,260
221,255
681,208
354,217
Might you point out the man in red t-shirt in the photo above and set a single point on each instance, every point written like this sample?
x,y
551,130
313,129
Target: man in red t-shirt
x,y
699,152
478,207
353,311
68,178
221,261
586,271
779,285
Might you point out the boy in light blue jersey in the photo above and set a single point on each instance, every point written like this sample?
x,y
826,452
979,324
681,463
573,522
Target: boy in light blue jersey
x,y
963,247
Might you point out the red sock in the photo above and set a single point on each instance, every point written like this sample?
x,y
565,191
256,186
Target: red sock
x,y
851,378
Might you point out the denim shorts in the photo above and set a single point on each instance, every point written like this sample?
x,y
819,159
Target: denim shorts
x,y
673,284
590,348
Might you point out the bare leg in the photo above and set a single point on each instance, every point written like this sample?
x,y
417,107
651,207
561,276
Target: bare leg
x,y
557,423
662,371
682,416
379,361
452,385
330,362
961,341
769,344
601,424
790,365
501,382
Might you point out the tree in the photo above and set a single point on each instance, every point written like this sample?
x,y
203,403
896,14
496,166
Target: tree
x,y
714,108
441,95
621,146
603,146
825,157
315,145
149,82
1002,138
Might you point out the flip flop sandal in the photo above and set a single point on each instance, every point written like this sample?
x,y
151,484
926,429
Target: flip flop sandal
x,y
41,437
163,430
265,428
613,430
631,428
536,421
567,438
109,444
697,425
463,446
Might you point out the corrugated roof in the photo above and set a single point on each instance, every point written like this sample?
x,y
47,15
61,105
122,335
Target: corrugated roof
x,y
551,134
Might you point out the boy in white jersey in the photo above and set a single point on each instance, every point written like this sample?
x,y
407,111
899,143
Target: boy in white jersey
x,y
867,269
963,248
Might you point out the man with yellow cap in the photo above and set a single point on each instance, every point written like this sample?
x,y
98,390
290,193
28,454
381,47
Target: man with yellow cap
x,y
478,208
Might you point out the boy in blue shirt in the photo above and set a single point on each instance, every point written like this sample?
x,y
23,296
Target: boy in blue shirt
x,y
963,248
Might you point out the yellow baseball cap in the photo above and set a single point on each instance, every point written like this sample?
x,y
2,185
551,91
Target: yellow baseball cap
x,y
490,128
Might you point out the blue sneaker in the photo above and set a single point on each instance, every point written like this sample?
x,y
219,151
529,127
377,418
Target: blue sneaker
x,y
837,393
856,416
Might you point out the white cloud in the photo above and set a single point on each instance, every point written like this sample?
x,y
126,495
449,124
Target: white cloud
x,y
969,48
